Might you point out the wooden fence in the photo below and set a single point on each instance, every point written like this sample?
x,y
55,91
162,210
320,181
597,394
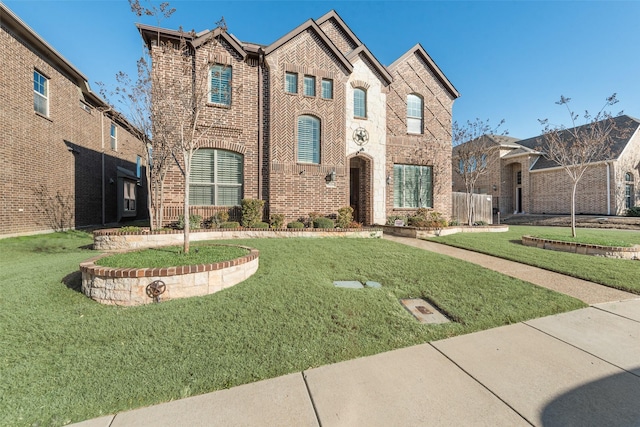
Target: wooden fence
x,y
482,206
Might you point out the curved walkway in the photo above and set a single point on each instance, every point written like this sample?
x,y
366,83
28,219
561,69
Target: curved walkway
x,y
589,292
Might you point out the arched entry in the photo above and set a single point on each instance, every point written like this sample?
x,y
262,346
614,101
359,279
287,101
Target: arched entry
x,y
360,188
512,192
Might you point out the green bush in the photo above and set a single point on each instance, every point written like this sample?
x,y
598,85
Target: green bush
x,y
295,224
129,229
345,217
427,219
251,212
261,225
312,219
277,220
216,219
323,222
633,211
230,224
195,221
391,220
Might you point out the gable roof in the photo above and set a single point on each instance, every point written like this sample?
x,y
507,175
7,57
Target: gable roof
x,y
332,14
626,127
419,51
310,24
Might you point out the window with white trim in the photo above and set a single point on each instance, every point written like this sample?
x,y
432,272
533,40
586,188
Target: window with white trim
x,y
327,89
359,103
414,114
220,84
113,134
629,199
309,86
308,139
291,82
129,196
412,186
40,93
216,178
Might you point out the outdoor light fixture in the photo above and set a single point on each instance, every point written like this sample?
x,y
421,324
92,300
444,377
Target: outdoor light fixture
x,y
360,150
331,177
388,179
495,187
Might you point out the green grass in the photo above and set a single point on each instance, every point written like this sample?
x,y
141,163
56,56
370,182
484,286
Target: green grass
x,y
616,273
173,256
65,358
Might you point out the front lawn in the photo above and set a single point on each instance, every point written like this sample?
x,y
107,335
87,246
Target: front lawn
x,y
617,273
65,358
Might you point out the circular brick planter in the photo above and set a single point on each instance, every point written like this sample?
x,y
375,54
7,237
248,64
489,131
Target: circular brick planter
x,y
128,286
579,248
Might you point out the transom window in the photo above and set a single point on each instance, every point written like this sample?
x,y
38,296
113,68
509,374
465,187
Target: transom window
x,y
216,178
359,102
327,88
220,84
291,83
40,93
309,86
412,186
414,114
308,139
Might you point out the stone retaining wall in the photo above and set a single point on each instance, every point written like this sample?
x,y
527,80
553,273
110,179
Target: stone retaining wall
x,y
578,248
113,239
127,286
419,233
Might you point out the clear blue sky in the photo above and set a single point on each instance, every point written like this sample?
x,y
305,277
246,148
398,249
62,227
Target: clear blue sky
x,y
509,60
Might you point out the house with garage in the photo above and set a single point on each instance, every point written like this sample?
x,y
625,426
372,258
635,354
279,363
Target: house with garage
x,y
523,180
69,160
313,122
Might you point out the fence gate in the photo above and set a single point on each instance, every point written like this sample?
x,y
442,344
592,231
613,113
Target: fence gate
x,y
482,206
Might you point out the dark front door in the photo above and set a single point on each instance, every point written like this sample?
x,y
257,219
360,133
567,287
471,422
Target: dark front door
x,y
354,192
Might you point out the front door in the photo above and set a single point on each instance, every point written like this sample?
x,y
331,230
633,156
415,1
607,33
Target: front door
x,y
354,192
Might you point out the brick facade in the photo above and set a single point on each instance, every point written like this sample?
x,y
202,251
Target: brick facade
x,y
261,122
65,149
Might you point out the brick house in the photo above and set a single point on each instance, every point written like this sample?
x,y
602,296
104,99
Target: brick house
x,y
314,122
523,180
59,137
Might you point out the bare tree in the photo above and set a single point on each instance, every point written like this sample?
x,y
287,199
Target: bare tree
x,y
474,152
575,149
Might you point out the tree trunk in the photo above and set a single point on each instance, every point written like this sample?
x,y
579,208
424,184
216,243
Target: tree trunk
x,y
187,170
573,209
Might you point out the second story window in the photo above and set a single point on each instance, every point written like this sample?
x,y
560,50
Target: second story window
x,y
414,114
114,136
359,103
309,86
220,84
308,139
291,83
40,93
327,88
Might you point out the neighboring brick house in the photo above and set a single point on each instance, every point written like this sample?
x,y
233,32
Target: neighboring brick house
x,y
58,136
524,181
314,122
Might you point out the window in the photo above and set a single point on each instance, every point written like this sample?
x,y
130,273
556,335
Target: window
x,y
412,186
327,89
114,137
414,114
309,86
215,178
40,93
220,84
129,196
629,200
291,83
471,164
519,178
138,166
359,103
308,139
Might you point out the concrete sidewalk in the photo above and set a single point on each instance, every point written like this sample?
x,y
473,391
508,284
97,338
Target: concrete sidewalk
x,y
579,368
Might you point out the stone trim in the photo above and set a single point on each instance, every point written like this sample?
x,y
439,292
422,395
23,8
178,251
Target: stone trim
x,y
632,252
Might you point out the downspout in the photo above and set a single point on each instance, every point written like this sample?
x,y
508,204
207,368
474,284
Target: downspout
x,y
608,188
260,120
104,220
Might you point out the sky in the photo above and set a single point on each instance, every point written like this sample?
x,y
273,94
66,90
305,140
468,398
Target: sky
x,y
510,60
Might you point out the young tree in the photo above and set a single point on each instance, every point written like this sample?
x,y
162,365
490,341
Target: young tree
x,y
575,149
474,153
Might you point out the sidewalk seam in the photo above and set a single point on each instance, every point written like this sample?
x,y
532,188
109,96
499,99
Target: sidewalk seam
x,y
481,384
313,403
615,314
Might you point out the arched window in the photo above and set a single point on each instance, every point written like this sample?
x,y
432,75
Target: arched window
x,y
414,114
628,177
308,139
359,103
216,178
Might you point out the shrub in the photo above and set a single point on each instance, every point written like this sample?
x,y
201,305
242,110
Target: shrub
x,y
480,223
428,219
295,224
354,224
216,219
312,218
323,222
391,220
345,217
195,221
129,229
633,211
230,224
261,225
277,220
251,211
